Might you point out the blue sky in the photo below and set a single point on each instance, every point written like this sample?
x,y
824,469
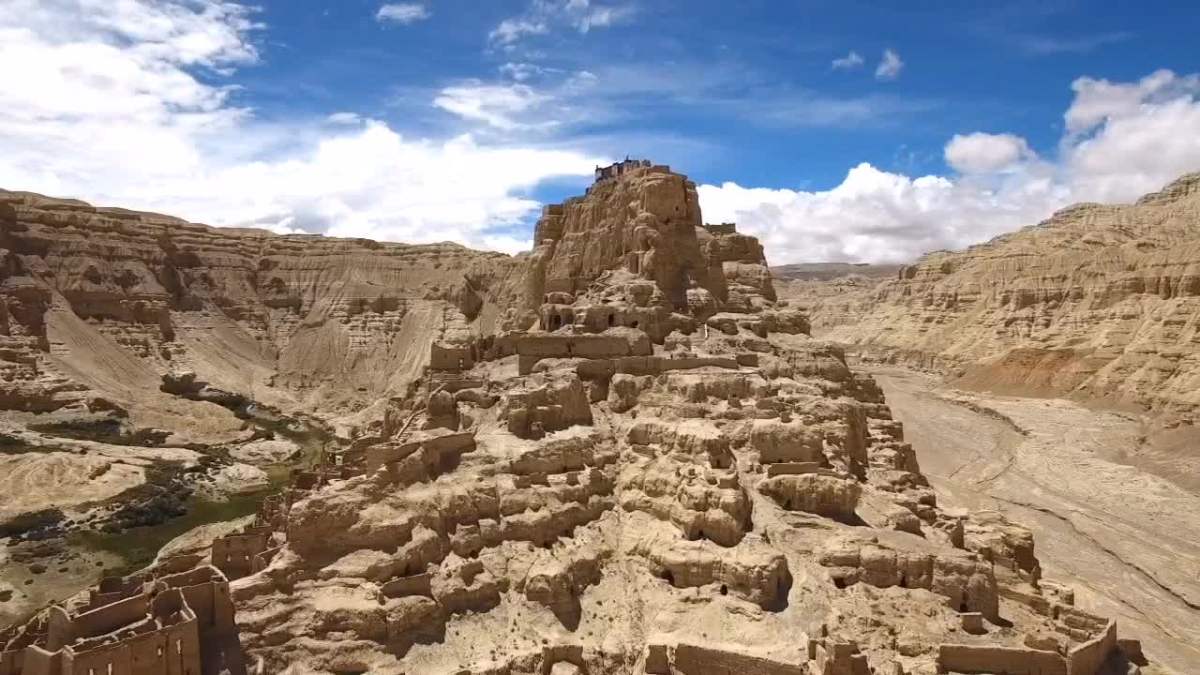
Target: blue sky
x,y
743,93
833,130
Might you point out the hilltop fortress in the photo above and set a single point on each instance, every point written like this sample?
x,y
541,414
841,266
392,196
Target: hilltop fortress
x,y
628,456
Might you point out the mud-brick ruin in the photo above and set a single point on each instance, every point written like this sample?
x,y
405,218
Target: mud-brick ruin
x,y
176,618
636,460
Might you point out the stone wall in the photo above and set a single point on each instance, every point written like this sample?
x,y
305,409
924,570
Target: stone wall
x,y
178,624
721,228
153,633
452,358
378,456
172,649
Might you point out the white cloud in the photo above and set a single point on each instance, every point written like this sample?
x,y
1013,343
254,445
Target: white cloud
x,y
600,17
522,72
1122,140
509,31
374,183
102,102
848,62
889,66
544,15
345,118
402,13
986,153
874,215
497,105
1097,101
1125,139
1041,45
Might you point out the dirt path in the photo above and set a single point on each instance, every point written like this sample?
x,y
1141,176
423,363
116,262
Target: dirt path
x,y
1126,540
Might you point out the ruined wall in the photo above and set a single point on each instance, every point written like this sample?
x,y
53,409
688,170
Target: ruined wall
x,y
648,211
997,659
687,659
1087,658
234,554
173,650
109,617
616,343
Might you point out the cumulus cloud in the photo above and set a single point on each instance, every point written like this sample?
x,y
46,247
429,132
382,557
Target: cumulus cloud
x,y
986,153
1097,101
848,62
543,15
1122,139
121,104
402,13
874,215
1127,138
889,66
374,183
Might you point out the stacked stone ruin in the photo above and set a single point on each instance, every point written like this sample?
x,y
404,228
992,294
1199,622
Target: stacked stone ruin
x,y
635,422
618,169
649,443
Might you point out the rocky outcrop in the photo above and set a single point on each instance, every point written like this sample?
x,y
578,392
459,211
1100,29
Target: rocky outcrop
x,y
662,267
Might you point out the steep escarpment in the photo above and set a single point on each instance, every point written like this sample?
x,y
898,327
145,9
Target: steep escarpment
x,y
102,303
1100,301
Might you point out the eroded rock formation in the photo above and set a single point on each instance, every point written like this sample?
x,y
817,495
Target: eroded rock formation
x,y
641,464
101,303
1099,301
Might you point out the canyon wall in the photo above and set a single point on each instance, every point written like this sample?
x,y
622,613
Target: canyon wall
x,y
1099,301
100,303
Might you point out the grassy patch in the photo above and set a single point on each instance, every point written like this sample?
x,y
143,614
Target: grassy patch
x,y
137,546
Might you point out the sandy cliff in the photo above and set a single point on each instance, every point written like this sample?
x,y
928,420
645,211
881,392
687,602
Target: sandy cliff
x,y
101,303
1099,301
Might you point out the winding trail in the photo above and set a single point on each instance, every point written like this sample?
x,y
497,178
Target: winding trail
x,y
1126,540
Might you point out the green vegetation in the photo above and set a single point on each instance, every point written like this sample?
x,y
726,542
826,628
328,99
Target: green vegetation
x,y
138,546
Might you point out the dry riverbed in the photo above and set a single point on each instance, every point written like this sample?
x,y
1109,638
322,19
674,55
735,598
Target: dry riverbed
x,y
1128,541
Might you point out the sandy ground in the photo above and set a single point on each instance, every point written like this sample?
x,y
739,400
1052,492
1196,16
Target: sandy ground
x,y
1126,540
34,481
